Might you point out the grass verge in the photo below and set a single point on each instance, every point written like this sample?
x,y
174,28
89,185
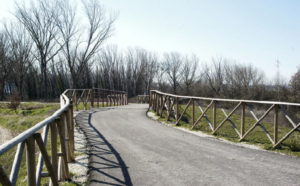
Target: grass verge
x,y
291,146
16,121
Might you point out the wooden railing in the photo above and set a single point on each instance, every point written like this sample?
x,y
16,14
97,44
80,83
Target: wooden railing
x,y
169,104
143,98
61,128
97,97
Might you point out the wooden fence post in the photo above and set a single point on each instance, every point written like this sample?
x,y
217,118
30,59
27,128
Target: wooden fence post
x,y
154,101
114,98
276,124
43,150
75,100
177,109
66,129
64,163
102,95
30,160
193,110
161,105
117,98
92,97
54,156
83,98
243,120
157,103
98,98
214,113
122,99
110,98
70,132
169,108
106,97
150,98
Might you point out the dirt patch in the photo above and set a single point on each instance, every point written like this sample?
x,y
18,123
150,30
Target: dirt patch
x,y
5,135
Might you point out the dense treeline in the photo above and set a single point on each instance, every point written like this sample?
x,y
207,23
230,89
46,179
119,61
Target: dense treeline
x,y
54,45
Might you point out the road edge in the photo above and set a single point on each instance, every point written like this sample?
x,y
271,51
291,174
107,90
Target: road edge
x,y
154,117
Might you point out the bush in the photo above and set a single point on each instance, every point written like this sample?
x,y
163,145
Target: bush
x,y
14,101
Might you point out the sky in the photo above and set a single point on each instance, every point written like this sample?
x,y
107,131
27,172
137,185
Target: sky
x,y
246,31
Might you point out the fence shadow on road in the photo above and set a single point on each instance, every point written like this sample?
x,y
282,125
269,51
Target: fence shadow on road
x,y
106,166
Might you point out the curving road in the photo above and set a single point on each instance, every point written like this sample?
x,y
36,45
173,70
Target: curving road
x,y
127,148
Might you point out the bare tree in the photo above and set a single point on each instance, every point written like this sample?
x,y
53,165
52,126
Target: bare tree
x,y
173,65
19,54
214,76
295,87
189,73
151,70
111,64
160,77
82,42
242,81
40,21
4,63
55,47
135,70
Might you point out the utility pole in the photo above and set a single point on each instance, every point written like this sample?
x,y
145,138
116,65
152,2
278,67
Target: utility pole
x,y
278,79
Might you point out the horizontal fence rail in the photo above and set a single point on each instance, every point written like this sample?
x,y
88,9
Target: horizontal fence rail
x,y
97,97
170,105
60,125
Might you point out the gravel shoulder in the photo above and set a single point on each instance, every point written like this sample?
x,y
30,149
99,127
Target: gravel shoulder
x,y
127,148
79,168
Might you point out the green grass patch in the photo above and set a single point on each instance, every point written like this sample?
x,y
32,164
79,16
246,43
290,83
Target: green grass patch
x,y
290,146
27,115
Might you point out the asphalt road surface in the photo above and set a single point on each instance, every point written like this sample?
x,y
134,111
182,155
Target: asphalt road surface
x,y
127,148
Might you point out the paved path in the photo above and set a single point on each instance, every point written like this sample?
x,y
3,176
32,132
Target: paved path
x,y
127,148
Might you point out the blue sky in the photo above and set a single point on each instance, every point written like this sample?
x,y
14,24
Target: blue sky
x,y
247,31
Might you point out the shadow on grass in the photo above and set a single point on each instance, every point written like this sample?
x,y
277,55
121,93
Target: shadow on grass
x,y
106,166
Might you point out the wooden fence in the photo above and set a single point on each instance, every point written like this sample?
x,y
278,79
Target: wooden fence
x,y
143,98
61,128
170,105
97,97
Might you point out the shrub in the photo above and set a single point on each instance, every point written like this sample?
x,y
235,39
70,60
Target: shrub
x,y
14,101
